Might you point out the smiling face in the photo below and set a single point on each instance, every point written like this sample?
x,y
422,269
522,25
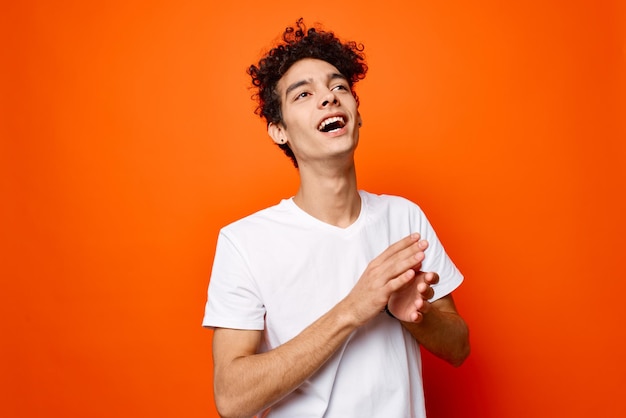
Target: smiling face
x,y
320,114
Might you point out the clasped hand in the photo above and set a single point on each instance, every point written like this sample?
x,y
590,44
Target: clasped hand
x,y
395,279
411,302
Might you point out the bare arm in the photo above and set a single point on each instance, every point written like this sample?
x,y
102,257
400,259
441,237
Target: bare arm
x,y
247,382
442,331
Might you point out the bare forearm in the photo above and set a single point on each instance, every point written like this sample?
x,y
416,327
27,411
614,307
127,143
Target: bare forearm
x,y
445,334
251,383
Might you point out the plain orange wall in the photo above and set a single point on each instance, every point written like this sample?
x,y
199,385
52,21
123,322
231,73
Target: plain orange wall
x,y
128,140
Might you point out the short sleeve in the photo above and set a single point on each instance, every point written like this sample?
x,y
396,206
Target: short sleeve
x,y
438,261
233,300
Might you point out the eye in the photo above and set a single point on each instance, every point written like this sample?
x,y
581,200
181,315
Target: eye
x,y
302,95
342,84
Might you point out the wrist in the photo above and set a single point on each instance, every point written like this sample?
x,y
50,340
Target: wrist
x,y
388,312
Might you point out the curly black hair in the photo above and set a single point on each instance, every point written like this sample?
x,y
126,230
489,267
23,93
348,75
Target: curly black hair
x,y
299,43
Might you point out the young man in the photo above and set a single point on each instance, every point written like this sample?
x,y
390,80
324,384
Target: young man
x,y
320,303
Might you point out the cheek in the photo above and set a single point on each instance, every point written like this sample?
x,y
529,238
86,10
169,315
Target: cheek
x,y
296,122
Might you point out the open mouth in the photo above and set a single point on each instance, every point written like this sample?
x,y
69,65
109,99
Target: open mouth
x,y
332,124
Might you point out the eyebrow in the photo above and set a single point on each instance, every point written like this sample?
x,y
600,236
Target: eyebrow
x,y
332,76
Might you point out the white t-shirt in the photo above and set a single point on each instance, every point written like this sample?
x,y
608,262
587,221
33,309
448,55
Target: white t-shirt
x,y
280,269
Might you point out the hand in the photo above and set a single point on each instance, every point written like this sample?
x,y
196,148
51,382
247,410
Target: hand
x,y
388,273
410,302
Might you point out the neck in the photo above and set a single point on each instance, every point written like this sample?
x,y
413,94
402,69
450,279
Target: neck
x,y
330,196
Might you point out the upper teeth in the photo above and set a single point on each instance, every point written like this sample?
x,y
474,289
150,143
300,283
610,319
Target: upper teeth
x,y
329,121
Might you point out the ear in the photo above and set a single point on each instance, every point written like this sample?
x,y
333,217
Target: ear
x,y
277,132
359,120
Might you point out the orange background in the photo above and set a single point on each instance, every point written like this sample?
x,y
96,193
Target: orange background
x,y
128,140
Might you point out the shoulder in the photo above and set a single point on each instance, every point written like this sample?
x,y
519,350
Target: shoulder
x,y
389,202
260,218
264,226
398,214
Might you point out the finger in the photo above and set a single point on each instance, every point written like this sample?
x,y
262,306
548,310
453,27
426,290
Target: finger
x,y
422,287
422,305
431,278
425,290
399,246
399,262
401,280
416,316
422,245
414,253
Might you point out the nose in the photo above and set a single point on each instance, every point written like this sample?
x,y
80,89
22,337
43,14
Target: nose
x,y
329,98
